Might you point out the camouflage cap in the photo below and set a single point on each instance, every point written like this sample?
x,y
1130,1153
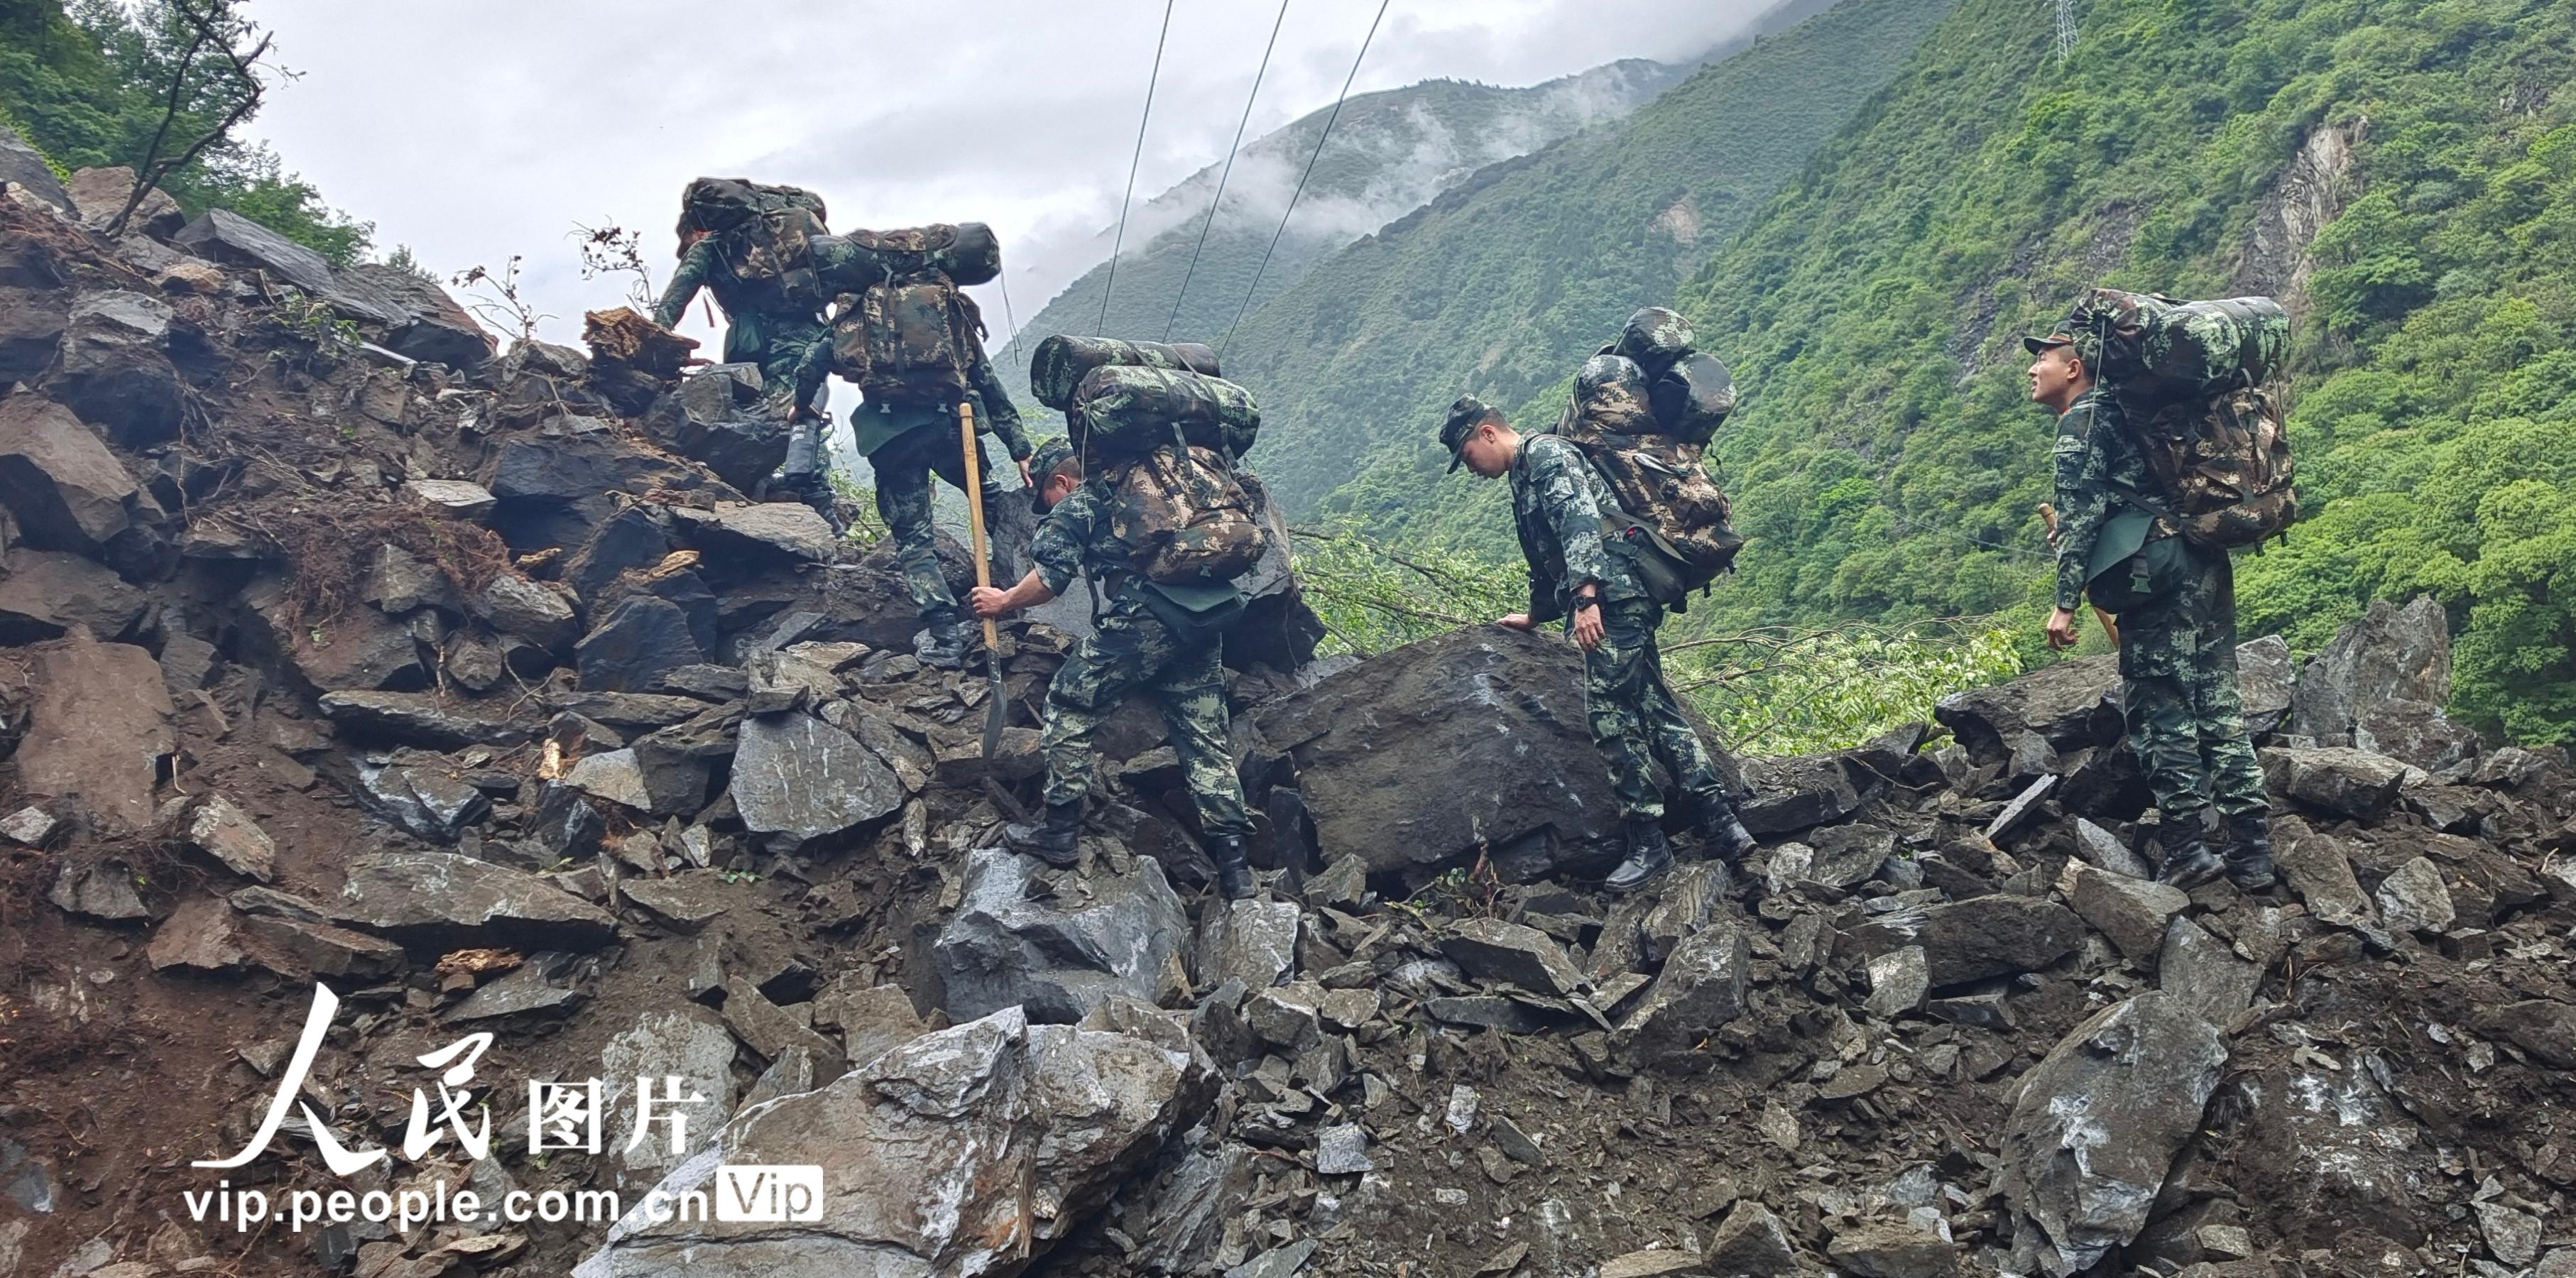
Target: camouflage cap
x,y
1654,333
1465,415
1051,453
2067,332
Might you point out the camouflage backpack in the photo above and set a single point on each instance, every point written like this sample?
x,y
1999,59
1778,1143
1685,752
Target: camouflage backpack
x,y
1671,519
1689,389
2190,378
908,340
765,234
1184,517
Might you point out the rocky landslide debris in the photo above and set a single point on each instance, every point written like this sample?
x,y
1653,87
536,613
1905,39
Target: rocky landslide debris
x,y
486,688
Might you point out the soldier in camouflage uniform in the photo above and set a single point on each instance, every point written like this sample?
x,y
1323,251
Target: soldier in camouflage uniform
x,y
2176,604
757,330
1576,574
1138,641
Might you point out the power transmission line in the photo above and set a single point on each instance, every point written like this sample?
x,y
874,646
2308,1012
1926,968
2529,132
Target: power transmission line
x,y
1019,349
1219,197
1301,180
1111,285
2065,29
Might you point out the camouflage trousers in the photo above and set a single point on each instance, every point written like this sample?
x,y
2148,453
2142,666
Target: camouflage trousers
x,y
1128,650
904,468
1634,719
2186,715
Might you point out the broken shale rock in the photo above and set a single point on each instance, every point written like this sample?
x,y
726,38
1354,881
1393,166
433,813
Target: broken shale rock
x,y
952,1153
1977,938
1058,957
440,901
2097,1123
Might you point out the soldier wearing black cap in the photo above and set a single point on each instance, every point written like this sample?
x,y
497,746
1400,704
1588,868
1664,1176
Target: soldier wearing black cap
x,y
1557,500
2176,604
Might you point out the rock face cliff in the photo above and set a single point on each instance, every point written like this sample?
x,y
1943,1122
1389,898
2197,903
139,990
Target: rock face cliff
x,y
484,692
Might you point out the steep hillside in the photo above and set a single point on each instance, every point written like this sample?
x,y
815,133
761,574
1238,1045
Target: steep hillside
x,y
1389,153
1886,462
1503,281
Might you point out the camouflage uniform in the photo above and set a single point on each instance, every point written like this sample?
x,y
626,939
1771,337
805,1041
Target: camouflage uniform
x,y
774,340
1130,648
2179,689
905,444
1557,500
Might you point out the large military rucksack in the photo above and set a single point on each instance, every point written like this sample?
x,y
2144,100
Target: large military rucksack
x,y
1689,390
1058,365
1672,518
2190,380
1164,442
765,234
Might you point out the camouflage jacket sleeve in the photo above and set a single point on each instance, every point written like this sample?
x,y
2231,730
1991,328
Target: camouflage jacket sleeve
x,y
812,367
685,282
2087,464
1561,481
996,409
1067,534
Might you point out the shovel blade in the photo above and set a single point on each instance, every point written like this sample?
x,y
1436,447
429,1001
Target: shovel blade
x,y
996,709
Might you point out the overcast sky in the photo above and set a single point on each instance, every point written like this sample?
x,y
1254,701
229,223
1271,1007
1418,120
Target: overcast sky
x,y
472,130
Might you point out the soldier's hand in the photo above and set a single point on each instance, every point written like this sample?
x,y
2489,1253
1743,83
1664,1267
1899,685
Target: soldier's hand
x,y
2061,628
1026,479
989,601
1587,627
1516,621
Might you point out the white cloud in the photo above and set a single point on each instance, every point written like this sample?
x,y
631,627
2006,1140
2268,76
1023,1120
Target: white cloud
x,y
475,129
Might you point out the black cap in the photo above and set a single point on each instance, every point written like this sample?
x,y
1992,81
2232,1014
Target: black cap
x,y
2051,342
1465,416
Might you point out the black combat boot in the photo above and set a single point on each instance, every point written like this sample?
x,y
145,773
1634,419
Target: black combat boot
x,y
1057,839
2249,861
2187,860
1233,873
1648,855
1721,832
942,645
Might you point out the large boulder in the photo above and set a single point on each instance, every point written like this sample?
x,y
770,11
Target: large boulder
x,y
224,236
66,490
31,326
98,728
45,593
2339,780
2266,679
440,901
2096,1124
24,166
1977,938
2070,704
2390,654
797,776
434,327
961,1152
721,418
101,194
2415,732
1414,758
1057,958
553,486
114,367
635,644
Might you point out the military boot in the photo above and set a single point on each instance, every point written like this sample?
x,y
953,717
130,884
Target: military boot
x,y
1055,840
1233,873
2187,861
2249,860
942,645
1648,855
1721,832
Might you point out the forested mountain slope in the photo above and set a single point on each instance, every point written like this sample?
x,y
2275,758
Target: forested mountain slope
x,y
1885,461
1505,280
1389,152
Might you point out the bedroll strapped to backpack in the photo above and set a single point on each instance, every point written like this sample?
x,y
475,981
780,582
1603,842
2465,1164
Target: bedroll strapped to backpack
x,y
1672,518
2189,377
1058,365
1689,390
966,252
1122,410
766,235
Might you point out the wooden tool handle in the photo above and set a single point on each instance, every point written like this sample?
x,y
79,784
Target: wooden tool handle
x,y
975,508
